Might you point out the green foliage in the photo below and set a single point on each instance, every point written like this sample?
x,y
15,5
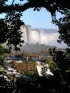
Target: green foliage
x,y
29,73
13,62
34,63
1,68
10,77
2,54
11,29
22,72
52,50
48,60
2,2
1,50
5,65
64,27
53,67
68,52
51,6
62,70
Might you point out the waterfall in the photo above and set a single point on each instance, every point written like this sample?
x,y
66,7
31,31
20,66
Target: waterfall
x,y
24,34
40,66
33,36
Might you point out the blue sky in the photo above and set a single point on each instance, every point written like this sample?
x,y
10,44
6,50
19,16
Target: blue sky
x,y
41,19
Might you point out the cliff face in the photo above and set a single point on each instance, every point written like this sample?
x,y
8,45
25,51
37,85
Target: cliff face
x,y
42,36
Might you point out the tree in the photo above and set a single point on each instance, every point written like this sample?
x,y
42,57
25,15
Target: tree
x,y
51,6
50,51
64,27
10,32
62,72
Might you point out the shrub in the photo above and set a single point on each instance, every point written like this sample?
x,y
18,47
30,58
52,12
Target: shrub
x,y
52,67
48,60
1,68
22,72
2,55
10,77
29,73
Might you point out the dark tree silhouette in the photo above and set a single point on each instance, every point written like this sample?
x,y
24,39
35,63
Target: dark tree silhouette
x,y
63,70
54,50
50,51
51,6
64,27
10,29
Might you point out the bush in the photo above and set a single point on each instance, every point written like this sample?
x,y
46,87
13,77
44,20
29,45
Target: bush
x,y
2,55
29,73
22,72
53,68
13,62
10,77
48,60
1,68
34,63
5,65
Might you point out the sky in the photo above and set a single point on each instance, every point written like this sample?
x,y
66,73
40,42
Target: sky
x,y
35,19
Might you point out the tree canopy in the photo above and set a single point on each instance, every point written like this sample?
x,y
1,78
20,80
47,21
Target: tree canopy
x,y
64,27
10,29
50,5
